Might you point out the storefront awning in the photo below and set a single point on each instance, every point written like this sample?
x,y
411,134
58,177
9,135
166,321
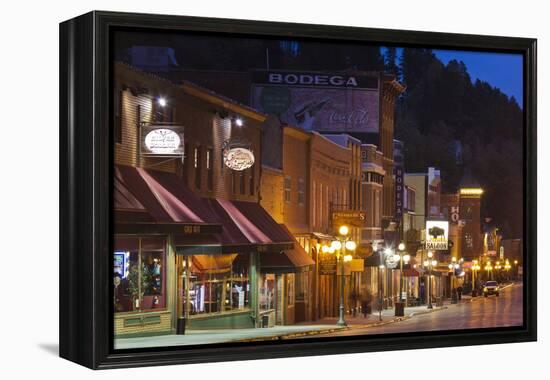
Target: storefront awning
x,y
247,227
323,237
291,260
149,201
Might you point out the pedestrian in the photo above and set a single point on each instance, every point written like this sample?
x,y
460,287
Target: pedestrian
x,y
353,298
365,304
459,291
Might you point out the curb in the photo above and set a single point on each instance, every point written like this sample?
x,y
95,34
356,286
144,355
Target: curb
x,y
415,313
335,329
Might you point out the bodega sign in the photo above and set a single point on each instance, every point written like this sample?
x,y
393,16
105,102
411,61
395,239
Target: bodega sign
x,y
437,235
308,79
162,142
314,79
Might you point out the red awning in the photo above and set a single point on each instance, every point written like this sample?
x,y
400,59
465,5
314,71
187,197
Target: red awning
x,y
150,201
247,227
290,260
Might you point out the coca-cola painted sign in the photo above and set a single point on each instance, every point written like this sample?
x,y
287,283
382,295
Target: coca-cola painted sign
x,y
320,102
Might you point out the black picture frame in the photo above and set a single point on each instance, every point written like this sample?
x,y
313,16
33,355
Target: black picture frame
x,y
86,179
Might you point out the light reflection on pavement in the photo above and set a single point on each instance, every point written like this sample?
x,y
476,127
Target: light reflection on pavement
x,y
503,311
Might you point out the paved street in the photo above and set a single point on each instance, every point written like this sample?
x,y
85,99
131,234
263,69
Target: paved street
x,y
492,311
505,310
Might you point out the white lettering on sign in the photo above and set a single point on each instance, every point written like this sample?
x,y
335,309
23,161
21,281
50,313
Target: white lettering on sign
x,y
162,141
308,79
238,158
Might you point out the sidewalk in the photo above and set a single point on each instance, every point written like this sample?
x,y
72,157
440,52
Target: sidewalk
x,y
322,326
198,337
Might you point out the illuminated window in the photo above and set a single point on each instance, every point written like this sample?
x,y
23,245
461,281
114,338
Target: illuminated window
x,y
197,164
469,240
288,183
139,274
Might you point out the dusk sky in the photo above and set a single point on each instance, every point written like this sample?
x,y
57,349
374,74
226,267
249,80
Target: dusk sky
x,y
504,71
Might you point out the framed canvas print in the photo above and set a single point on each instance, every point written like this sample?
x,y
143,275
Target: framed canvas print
x,y
236,190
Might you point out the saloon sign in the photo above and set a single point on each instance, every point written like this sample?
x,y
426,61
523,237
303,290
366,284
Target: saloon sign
x,y
437,235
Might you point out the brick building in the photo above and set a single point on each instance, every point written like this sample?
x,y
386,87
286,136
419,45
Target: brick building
x,y
193,247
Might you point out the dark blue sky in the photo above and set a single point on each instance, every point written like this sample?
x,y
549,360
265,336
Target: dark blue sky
x,y
504,71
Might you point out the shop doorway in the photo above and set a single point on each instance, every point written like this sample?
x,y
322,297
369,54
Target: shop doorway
x,y
271,298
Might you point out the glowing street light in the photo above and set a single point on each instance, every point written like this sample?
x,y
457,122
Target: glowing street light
x,y
341,245
343,230
351,245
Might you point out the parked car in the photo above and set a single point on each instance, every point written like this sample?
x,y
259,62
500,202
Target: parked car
x,y
490,287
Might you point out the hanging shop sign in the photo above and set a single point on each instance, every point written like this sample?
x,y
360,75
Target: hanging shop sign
x,y
391,261
355,265
162,141
237,155
327,264
437,235
238,158
352,218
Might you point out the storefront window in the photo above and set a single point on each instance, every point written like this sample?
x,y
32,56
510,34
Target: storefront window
x,y
217,283
267,292
139,274
152,273
302,280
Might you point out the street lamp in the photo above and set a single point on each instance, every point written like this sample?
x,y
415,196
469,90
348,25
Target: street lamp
x,y
475,267
401,250
341,245
507,268
489,268
430,264
381,268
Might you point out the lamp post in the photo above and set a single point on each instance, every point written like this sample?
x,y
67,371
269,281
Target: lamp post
x,y
430,264
498,274
340,245
401,249
507,267
475,267
381,268
453,266
489,268
399,306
